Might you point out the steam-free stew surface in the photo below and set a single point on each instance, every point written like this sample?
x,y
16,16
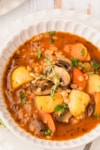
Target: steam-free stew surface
x,y
52,86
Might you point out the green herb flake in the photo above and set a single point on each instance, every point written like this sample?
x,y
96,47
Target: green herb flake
x,y
52,40
59,108
66,106
53,90
50,68
39,54
23,98
96,65
96,115
47,60
56,83
74,62
52,32
23,101
91,72
42,76
97,72
22,95
48,132
56,76
56,79
82,52
81,64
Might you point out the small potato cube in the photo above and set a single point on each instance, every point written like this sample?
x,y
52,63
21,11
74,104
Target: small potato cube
x,y
93,84
48,104
20,76
78,101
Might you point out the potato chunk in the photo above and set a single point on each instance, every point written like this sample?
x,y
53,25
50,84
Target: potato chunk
x,y
48,104
78,101
93,84
19,77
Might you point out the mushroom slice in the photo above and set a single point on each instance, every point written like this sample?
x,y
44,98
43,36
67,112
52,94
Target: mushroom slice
x,y
41,87
63,75
65,118
90,109
65,63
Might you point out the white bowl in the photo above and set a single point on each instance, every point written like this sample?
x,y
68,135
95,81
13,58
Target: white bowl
x,y
17,39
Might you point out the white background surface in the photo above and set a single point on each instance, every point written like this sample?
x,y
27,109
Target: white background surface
x,y
12,21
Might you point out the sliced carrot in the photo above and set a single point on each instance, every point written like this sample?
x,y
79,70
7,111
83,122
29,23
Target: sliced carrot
x,y
97,103
78,51
78,78
47,119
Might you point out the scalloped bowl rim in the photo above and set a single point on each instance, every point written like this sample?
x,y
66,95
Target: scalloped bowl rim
x,y
21,36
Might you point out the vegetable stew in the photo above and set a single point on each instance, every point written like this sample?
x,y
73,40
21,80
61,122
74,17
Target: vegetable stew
x,y
52,86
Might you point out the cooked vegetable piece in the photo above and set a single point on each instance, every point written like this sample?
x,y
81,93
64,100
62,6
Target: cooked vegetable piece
x,y
97,103
47,119
47,104
20,76
93,83
87,67
78,101
61,73
78,78
77,50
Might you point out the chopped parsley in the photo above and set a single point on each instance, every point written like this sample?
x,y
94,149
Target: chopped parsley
x,y
82,52
74,62
53,90
52,32
61,108
23,98
42,76
56,79
50,68
23,101
52,40
48,132
82,65
96,115
39,54
91,72
47,60
56,83
22,95
65,106
96,65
